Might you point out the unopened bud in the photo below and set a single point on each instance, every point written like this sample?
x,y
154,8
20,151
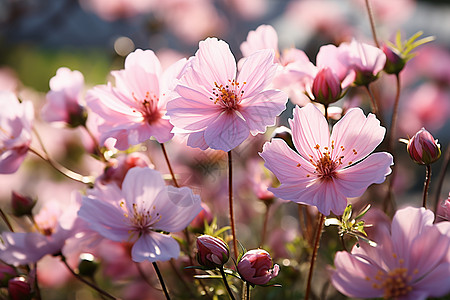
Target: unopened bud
x,y
212,252
19,289
394,62
255,267
21,205
326,87
423,148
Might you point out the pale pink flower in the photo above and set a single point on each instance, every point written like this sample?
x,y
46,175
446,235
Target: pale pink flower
x,y
15,131
263,37
328,169
139,211
134,110
111,10
366,60
56,223
218,107
64,100
411,260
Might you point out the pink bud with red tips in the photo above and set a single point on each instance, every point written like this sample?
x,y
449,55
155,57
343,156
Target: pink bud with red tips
x,y
21,205
326,87
423,148
394,62
212,252
255,267
19,289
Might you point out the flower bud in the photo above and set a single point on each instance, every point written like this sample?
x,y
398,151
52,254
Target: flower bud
x,y
212,252
19,289
21,205
255,267
423,148
326,87
6,273
394,62
198,224
87,265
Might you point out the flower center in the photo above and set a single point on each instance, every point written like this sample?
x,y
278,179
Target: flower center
x,y
228,96
149,107
326,166
141,220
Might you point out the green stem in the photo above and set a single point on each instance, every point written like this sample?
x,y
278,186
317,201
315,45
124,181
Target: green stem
x,y
6,220
161,280
230,203
426,185
37,290
248,292
392,129
266,219
80,278
169,165
225,282
372,23
373,102
314,254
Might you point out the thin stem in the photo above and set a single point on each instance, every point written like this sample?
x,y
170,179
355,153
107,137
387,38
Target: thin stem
x,y
266,219
426,185
314,254
80,278
372,23
326,111
37,290
392,129
169,165
161,280
248,292
225,282
63,170
230,202
373,101
441,177
6,220
343,243
97,148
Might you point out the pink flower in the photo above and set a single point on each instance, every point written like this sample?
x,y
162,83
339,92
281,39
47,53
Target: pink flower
x,y
411,260
134,110
263,37
255,267
217,107
57,223
212,252
15,131
327,170
423,148
112,10
366,60
139,211
64,100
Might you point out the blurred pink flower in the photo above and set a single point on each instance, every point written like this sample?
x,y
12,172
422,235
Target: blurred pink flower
x,y
328,170
134,110
263,37
443,210
255,266
9,80
111,10
64,100
411,260
260,179
218,107
249,9
390,13
15,131
366,60
135,213
56,223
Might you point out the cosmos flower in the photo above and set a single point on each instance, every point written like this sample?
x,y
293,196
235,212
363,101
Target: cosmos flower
x,y
15,131
411,260
218,107
328,169
134,110
140,212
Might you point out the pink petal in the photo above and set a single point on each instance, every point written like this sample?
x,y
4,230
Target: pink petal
x,y
178,210
435,283
136,83
261,110
264,37
197,140
258,71
161,130
328,57
309,128
155,247
146,59
354,180
227,132
356,132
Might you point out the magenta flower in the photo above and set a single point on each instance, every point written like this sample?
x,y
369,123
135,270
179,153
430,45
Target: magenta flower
x,y
411,261
328,169
366,60
64,100
15,131
139,211
134,110
255,266
217,107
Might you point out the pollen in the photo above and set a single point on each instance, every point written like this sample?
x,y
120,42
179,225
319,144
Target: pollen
x,y
148,107
228,96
